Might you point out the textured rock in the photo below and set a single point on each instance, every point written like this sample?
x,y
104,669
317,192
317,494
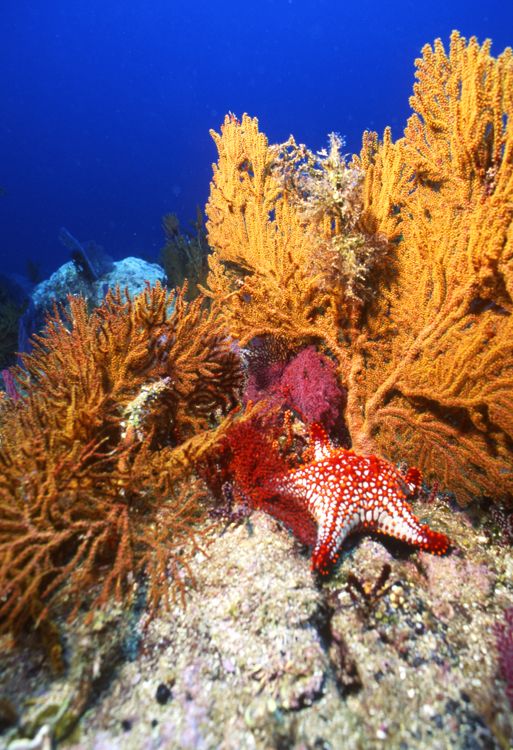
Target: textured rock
x,y
130,272
267,656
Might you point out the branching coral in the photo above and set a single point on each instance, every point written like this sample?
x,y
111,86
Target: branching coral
x,y
184,256
245,466
92,468
422,333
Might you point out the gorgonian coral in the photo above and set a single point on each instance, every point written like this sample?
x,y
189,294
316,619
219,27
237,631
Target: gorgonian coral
x,y
421,330
116,408
305,382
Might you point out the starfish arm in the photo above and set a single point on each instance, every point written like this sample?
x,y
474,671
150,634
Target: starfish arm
x,y
331,534
320,443
399,521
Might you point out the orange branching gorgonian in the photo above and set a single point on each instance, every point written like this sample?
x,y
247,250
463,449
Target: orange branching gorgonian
x,y
435,379
116,407
423,340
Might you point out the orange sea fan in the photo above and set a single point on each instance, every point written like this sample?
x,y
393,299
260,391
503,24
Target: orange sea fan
x,y
423,332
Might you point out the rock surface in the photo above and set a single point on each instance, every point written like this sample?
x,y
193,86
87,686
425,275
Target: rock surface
x,y
129,272
265,655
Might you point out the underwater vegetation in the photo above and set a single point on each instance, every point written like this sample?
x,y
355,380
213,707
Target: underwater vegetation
x,y
397,265
10,313
184,256
377,291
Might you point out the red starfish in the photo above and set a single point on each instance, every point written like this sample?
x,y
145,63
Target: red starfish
x,y
347,493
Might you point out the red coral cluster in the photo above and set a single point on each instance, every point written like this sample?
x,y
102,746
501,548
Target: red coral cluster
x,y
248,461
307,383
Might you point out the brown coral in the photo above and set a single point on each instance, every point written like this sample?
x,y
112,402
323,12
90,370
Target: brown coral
x,y
117,407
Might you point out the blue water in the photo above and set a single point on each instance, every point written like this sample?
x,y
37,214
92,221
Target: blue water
x,y
106,104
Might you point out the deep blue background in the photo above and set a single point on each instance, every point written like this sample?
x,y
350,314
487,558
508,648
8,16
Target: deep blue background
x,y
106,105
